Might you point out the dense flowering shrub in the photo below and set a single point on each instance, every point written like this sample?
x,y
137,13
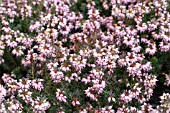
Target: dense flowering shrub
x,y
84,56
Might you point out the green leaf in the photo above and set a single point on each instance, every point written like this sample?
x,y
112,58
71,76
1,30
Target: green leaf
x,y
83,6
16,70
154,60
6,67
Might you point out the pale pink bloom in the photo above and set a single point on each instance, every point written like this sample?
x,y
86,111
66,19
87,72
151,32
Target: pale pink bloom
x,y
90,93
2,93
129,40
134,69
107,109
123,109
138,20
14,106
83,111
107,37
60,96
6,29
157,4
167,110
155,35
13,85
75,77
130,13
146,108
6,77
136,49
165,37
24,84
40,105
75,102
150,80
5,22
136,91
122,62
57,76
93,13
25,95
111,98
105,5
147,66
151,51
145,40
152,25
131,58
11,44
1,60
3,108
86,80
141,99
126,96
164,46
65,68
133,109
167,79
99,87
68,79
37,84
60,111
142,27
148,92
17,52
164,97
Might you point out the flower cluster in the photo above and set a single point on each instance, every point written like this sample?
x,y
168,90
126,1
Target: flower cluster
x,y
56,58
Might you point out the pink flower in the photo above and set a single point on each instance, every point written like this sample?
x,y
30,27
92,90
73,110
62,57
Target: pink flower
x,y
37,84
83,111
24,84
164,97
123,109
126,96
60,96
75,102
151,51
167,79
14,105
18,52
146,108
2,93
147,66
150,80
107,109
164,46
90,92
40,105
136,91
25,95
57,76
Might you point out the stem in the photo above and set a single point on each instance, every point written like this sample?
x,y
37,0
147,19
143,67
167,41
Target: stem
x,y
76,107
62,84
32,69
98,103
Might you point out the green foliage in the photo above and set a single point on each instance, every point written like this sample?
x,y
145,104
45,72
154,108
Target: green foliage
x,y
80,6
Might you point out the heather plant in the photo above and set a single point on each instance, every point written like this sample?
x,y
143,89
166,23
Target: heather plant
x,y
96,56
